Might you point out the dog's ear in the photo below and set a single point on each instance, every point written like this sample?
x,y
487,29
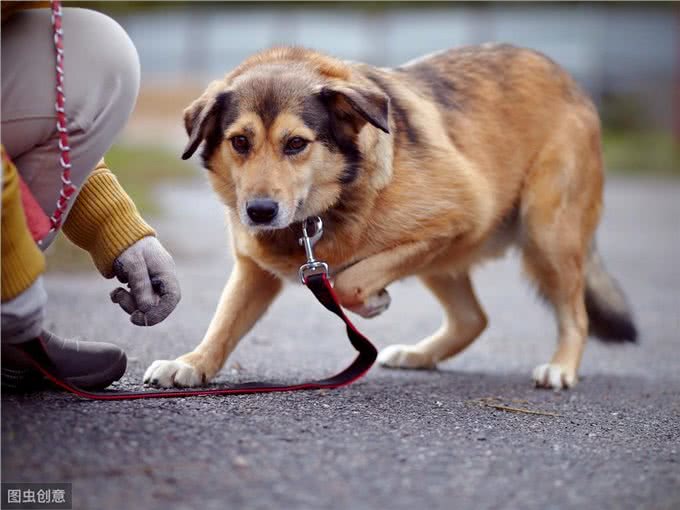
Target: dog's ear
x,y
358,105
205,115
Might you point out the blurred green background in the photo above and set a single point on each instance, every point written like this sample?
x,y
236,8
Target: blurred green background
x,y
627,55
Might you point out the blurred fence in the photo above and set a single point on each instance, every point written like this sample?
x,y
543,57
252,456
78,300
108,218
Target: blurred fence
x,y
625,55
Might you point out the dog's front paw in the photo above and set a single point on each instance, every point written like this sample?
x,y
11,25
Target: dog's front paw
x,y
550,375
373,306
169,373
404,356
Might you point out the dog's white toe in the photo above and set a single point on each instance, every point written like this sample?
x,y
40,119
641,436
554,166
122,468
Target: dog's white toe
x,y
169,373
553,376
374,305
404,356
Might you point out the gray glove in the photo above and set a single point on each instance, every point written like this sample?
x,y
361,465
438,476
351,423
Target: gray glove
x,y
23,316
149,271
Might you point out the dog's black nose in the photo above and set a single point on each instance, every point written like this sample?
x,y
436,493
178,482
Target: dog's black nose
x,y
262,210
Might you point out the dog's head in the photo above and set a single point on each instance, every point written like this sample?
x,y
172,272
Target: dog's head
x,y
281,134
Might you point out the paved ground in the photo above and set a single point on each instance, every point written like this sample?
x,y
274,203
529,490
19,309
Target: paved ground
x,y
396,439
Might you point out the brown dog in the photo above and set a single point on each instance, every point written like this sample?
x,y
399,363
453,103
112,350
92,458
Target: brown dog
x,y
425,170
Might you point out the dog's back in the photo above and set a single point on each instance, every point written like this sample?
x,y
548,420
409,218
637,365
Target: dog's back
x,y
497,105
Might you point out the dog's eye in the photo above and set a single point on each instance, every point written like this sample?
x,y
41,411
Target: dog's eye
x,y
240,144
295,145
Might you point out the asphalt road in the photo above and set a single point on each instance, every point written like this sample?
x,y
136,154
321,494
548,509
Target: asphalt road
x,y
395,439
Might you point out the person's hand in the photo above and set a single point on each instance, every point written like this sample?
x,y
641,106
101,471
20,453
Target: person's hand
x,y
149,271
23,316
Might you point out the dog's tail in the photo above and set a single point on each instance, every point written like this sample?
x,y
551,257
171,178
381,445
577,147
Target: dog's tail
x,y
609,314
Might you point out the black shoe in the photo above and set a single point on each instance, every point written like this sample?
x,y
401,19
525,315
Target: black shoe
x,y
88,365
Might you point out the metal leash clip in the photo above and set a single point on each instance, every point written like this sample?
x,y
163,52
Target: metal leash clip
x,y
312,266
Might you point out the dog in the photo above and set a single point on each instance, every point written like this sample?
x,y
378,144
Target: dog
x,y
426,169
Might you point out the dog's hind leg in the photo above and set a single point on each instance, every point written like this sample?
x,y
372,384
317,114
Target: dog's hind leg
x,y
558,270
463,321
559,212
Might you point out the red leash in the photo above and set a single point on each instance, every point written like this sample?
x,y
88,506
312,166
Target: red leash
x,y
322,290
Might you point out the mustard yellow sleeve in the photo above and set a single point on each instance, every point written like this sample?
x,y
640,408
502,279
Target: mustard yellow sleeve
x,y
104,221
21,260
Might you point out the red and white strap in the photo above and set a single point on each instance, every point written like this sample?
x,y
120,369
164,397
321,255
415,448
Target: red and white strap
x,y
68,190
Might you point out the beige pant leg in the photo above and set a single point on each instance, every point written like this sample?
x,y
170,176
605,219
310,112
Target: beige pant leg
x,y
101,83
